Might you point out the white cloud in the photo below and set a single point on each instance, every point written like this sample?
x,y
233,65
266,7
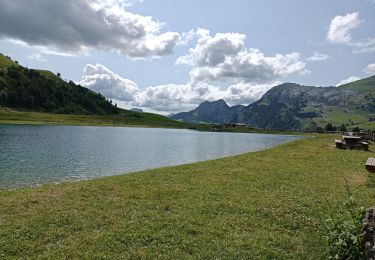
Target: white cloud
x,y
245,93
318,56
370,69
100,79
170,97
78,25
128,3
348,80
212,51
340,33
340,27
364,46
37,57
224,56
192,34
177,97
39,51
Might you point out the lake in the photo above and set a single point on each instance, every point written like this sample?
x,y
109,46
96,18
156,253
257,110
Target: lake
x,y
34,155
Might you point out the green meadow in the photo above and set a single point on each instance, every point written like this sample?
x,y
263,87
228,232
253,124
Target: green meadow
x,y
125,118
266,204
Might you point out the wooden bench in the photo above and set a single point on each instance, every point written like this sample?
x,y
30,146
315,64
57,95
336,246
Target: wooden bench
x,y
370,165
339,144
364,146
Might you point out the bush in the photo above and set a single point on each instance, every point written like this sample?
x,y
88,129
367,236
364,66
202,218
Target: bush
x,y
356,129
343,232
329,127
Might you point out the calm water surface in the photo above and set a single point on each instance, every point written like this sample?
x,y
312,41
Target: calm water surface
x,y
33,155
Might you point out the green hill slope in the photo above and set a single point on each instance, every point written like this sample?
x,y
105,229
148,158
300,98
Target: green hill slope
x,y
366,85
292,106
41,97
6,61
124,118
43,91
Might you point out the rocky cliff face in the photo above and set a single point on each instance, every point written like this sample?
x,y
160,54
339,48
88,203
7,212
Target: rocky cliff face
x,y
292,106
210,112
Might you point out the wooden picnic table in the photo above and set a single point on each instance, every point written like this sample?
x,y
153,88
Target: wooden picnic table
x,y
351,139
352,142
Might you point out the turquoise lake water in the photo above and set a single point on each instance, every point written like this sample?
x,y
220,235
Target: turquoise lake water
x,y
34,155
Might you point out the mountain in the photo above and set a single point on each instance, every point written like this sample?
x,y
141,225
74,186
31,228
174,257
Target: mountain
x,y
296,107
210,112
171,114
292,106
138,110
40,90
366,85
34,96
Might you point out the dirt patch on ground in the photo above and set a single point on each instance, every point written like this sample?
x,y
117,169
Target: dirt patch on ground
x,y
357,179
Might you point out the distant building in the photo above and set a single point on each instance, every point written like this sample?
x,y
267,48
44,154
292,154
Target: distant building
x,y
234,125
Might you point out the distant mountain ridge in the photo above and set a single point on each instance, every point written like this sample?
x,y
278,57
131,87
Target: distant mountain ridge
x,y
210,112
293,106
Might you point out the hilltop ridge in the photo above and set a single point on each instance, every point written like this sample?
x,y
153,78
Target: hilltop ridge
x,y
292,106
41,90
40,96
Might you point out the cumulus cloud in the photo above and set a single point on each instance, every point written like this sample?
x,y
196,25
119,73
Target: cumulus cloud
x,y
170,97
340,27
193,34
177,97
317,56
212,51
76,25
340,33
111,85
245,93
348,80
370,69
224,56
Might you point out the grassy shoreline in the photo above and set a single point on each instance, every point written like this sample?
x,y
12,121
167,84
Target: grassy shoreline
x,y
128,118
10,116
264,204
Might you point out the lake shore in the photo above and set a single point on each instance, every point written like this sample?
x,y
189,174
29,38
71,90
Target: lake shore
x,y
262,204
33,155
14,117
129,119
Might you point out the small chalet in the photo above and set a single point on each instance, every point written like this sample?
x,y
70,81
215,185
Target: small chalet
x,y
234,125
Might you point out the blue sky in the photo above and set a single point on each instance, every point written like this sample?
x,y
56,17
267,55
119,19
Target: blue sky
x,y
156,64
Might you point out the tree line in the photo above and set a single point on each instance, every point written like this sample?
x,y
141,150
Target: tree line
x,y
25,88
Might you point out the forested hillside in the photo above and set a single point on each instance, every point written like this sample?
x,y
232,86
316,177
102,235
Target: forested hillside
x,y
44,91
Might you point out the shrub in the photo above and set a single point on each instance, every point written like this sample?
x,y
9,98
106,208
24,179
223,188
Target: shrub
x,y
356,129
343,231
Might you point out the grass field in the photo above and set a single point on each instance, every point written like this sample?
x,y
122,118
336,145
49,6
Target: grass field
x,y
366,125
337,118
264,205
126,118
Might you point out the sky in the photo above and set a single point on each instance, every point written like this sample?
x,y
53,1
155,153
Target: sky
x,y
168,56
